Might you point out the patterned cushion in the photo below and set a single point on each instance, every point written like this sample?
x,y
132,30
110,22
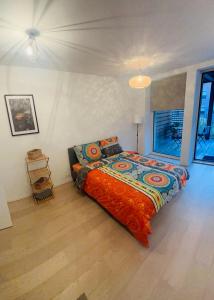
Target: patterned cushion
x,y
110,146
108,142
88,153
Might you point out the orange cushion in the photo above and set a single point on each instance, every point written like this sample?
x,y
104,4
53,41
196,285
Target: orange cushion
x,y
77,167
94,164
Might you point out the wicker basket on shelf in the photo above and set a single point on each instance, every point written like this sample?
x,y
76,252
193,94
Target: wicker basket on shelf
x,y
34,154
41,183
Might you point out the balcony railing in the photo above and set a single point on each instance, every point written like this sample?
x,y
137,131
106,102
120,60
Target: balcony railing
x,y
168,126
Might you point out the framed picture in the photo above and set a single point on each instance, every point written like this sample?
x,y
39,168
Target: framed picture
x,y
21,114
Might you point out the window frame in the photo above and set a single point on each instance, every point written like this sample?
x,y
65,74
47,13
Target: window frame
x,y
197,160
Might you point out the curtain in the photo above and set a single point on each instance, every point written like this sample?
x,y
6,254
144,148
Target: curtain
x,y
168,93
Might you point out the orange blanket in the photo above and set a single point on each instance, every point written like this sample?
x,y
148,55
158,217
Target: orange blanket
x,y
129,206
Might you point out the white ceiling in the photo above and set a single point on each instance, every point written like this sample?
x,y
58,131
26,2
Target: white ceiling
x,y
105,36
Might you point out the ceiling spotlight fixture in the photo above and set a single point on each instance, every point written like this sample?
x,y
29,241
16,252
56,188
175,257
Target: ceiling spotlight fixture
x,y
140,82
32,47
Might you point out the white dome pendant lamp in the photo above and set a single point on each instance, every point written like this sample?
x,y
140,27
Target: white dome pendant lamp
x,y
140,82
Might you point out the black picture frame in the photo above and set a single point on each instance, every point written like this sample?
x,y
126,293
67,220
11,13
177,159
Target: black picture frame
x,y
21,114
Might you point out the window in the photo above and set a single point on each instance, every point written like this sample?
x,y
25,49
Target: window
x,y
168,126
204,148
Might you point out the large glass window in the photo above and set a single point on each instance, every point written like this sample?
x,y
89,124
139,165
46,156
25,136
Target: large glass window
x,y
204,149
168,126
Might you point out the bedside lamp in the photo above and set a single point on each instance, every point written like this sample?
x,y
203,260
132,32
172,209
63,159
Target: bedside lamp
x,y
138,120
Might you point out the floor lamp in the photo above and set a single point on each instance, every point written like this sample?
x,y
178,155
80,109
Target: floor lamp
x,y
138,120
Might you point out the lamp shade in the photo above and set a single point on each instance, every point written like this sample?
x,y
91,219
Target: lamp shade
x,y
139,82
138,119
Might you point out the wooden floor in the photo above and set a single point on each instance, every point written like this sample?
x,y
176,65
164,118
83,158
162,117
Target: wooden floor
x,y
69,245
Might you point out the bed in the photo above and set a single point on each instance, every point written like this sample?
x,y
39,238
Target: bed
x,y
131,187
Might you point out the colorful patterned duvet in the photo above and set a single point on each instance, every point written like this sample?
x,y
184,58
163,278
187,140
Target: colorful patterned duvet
x,y
133,188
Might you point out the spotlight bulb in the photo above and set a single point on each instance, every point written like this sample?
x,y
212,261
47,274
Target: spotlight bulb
x,y
29,50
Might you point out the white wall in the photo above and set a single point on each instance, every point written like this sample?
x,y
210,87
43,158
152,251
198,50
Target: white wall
x,y
5,219
71,109
190,110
